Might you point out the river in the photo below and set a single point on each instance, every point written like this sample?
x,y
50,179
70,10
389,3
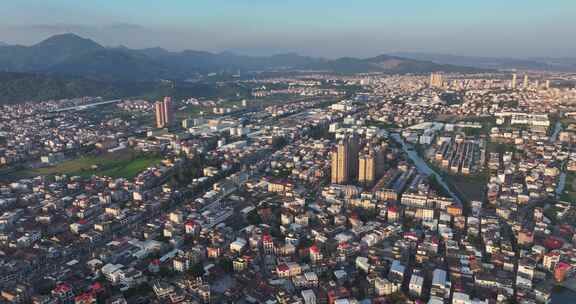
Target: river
x,y
561,184
561,295
423,167
562,179
557,129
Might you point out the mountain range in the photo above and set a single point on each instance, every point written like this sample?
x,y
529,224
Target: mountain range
x,y
72,55
498,63
68,65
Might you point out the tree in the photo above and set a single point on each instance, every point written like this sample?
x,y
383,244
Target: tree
x,y
325,276
139,290
197,270
166,272
305,243
397,298
254,218
226,265
407,223
279,142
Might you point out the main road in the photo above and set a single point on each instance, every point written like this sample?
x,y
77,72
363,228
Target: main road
x,y
86,106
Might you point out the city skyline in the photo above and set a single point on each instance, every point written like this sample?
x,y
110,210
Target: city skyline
x,y
320,152
327,29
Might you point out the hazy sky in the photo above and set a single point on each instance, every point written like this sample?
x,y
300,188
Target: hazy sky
x,y
517,28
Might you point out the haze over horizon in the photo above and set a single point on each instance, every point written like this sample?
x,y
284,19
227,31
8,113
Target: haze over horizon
x,y
320,28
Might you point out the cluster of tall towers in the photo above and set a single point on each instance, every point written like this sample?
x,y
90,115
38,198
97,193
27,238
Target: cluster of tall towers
x,y
351,162
371,164
526,83
436,80
164,110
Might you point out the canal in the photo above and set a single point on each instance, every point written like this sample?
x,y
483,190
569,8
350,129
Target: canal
x,y
562,295
557,129
423,167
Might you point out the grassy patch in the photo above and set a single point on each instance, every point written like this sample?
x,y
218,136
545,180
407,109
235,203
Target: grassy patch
x,y
191,111
487,124
496,147
125,163
131,168
566,122
470,187
569,194
381,124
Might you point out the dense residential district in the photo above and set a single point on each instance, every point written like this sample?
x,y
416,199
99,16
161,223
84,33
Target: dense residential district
x,y
442,188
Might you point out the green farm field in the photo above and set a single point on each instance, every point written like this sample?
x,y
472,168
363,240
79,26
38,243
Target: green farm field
x,y
125,163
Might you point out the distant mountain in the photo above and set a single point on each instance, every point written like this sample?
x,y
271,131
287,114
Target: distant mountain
x,y
389,64
42,56
111,64
544,64
209,62
562,64
3,44
70,54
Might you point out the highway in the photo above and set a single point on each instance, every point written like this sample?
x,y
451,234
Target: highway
x,y
87,106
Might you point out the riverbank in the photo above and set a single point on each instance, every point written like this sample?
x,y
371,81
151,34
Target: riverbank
x,y
563,295
423,167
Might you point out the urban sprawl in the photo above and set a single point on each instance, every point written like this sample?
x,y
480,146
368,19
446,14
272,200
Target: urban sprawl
x,y
441,188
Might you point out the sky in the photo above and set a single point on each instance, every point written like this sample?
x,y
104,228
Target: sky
x,y
328,28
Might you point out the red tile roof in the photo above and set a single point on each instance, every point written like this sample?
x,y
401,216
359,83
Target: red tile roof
x,y
282,268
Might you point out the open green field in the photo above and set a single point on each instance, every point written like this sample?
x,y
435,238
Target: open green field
x,y
470,187
497,147
191,111
569,194
125,163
